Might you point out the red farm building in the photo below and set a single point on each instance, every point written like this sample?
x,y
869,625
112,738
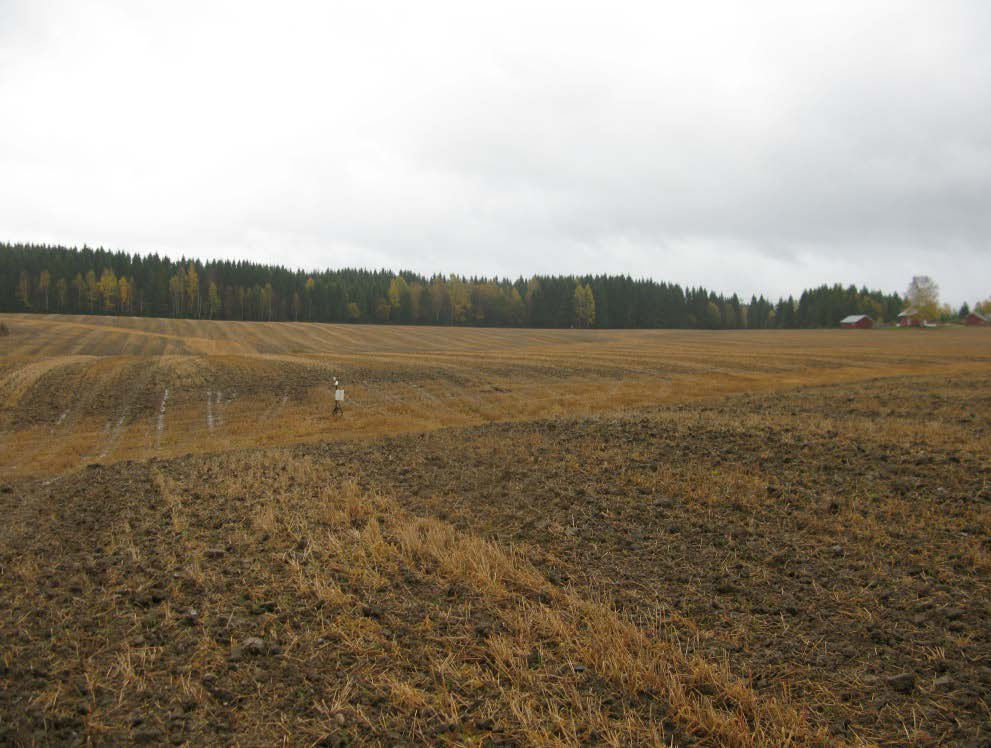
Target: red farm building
x,y
976,319
910,318
855,321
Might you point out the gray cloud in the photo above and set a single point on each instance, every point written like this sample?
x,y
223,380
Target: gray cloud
x,y
764,148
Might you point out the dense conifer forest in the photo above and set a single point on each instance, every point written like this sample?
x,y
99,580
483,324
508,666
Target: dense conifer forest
x,y
55,279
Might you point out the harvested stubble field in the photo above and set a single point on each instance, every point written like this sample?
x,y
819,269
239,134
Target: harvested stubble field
x,y
511,537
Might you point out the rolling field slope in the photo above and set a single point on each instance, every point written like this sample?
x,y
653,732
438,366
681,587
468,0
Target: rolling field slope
x,y
81,390
511,537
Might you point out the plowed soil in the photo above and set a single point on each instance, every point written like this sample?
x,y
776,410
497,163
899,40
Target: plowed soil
x,y
823,555
804,561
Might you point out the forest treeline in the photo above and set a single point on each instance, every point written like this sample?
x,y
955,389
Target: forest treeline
x,y
41,278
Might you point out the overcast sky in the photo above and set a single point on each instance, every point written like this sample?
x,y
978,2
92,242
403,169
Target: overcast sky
x,y
742,146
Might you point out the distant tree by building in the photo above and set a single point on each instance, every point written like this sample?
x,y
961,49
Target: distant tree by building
x,y
922,297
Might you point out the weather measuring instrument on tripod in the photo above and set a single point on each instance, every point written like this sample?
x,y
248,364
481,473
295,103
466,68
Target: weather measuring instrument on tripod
x,y
338,398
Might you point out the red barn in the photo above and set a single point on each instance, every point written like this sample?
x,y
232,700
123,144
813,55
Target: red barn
x,y
909,318
856,321
974,318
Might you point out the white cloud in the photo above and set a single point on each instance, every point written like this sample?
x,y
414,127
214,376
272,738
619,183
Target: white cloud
x,y
746,147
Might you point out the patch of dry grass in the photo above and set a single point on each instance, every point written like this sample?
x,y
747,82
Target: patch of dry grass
x,y
244,385
268,594
551,641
